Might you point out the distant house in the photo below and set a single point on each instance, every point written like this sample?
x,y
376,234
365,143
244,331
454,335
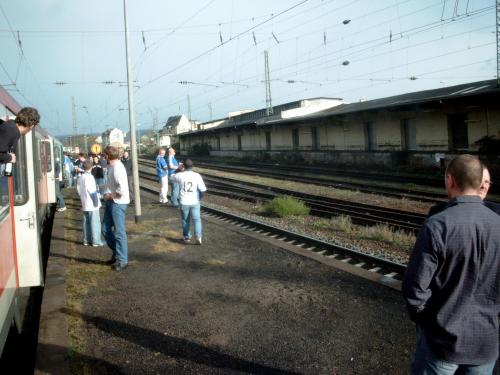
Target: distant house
x,y
178,124
113,135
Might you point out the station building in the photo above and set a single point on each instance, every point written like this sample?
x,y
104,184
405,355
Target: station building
x,y
416,129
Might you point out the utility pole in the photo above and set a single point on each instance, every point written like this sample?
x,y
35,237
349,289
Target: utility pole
x,y
131,116
154,116
189,107
269,104
210,109
498,41
73,111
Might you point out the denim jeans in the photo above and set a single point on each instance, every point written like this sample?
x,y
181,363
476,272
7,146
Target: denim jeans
x,y
426,363
92,227
174,197
188,213
59,195
100,185
69,178
113,230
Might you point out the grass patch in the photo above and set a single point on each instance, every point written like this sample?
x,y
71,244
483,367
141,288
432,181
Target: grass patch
x,y
287,206
343,223
385,233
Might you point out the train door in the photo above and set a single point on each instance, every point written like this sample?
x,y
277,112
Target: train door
x,y
29,256
48,144
7,258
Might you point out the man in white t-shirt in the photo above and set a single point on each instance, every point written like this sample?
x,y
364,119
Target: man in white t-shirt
x,y
117,198
87,190
191,189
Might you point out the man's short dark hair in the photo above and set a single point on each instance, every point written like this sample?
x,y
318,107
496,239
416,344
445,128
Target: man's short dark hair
x,y
27,117
188,164
87,164
81,154
467,171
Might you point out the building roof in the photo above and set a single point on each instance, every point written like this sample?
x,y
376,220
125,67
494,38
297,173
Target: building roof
x,y
443,93
392,102
173,121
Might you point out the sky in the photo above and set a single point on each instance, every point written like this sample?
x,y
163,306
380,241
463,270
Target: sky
x,y
206,57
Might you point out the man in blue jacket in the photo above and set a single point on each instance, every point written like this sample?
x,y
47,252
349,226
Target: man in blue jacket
x,y
162,173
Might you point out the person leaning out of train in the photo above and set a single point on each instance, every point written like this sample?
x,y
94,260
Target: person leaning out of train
x,y
11,130
87,190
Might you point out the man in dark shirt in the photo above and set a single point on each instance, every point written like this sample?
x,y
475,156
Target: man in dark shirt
x,y
128,167
10,132
451,285
483,192
79,169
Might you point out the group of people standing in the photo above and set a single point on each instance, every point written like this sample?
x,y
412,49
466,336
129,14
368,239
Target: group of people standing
x,y
114,186
111,185
187,188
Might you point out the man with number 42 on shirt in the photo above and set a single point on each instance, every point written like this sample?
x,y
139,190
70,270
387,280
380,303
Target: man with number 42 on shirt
x,y
191,189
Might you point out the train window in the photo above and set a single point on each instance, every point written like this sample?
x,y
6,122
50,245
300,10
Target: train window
x,y
48,155
40,152
19,173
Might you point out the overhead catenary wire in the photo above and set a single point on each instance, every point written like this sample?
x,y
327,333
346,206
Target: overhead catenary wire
x,y
384,41
259,43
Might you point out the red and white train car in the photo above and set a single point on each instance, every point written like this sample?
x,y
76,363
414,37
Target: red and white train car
x,y
26,213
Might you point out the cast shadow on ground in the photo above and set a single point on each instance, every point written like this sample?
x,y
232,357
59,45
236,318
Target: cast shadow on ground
x,y
79,221
66,240
80,260
46,365
176,347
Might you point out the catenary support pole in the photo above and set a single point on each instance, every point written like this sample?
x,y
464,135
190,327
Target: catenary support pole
x,y
131,116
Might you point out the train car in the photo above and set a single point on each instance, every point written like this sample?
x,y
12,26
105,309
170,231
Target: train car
x,y
26,215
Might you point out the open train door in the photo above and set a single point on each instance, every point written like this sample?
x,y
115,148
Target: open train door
x,y
48,144
29,255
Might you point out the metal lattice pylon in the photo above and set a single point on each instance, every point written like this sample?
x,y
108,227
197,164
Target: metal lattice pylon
x,y
269,104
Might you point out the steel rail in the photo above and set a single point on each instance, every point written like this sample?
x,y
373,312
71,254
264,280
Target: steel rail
x,y
320,206
389,191
355,258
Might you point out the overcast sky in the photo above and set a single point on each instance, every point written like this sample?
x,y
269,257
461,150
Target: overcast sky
x,y
212,51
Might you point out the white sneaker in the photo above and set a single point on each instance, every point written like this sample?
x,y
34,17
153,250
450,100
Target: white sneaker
x,y
198,240
61,209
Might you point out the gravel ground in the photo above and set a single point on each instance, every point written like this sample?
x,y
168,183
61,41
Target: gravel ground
x,y
234,305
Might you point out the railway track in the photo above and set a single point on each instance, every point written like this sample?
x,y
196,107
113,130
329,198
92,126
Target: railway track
x,y
389,191
423,181
361,214
386,271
